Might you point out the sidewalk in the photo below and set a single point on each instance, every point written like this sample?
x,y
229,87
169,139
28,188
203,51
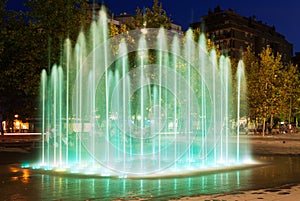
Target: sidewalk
x,y
19,141
278,144
275,144
284,193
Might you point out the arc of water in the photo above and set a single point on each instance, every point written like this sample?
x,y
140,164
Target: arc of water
x,y
175,48
93,96
54,81
60,115
43,96
112,76
203,64
68,51
223,96
213,57
227,101
240,86
189,54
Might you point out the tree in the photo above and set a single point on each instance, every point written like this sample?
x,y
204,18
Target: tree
x,y
154,17
2,23
273,88
291,97
57,20
24,49
252,69
116,30
265,76
19,63
270,85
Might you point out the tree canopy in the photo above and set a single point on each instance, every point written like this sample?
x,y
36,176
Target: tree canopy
x,y
272,90
30,42
33,40
154,17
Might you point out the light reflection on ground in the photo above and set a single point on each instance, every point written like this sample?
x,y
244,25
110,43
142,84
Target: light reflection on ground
x,y
17,183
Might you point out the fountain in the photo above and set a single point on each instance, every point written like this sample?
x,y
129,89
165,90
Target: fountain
x,y
145,103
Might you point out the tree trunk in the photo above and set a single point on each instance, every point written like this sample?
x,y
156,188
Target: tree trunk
x,y
264,127
271,122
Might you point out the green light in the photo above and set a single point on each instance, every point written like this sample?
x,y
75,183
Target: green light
x,y
25,165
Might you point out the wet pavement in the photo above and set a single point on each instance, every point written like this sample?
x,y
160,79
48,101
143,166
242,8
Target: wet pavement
x,y
26,184
18,183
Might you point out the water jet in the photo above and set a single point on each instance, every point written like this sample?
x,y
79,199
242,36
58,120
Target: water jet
x,y
140,104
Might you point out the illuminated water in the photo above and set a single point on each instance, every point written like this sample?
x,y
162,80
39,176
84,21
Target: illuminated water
x,y
27,184
146,103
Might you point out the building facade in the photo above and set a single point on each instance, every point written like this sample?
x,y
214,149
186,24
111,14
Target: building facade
x,y
233,33
296,60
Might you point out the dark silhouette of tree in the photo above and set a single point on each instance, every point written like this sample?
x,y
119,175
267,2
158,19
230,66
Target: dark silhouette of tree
x,y
30,42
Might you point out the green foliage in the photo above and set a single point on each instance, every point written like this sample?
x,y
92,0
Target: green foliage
x,y
252,69
154,17
272,86
33,41
2,24
116,30
19,77
24,49
58,20
291,96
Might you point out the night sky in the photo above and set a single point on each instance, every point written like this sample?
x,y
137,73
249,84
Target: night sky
x,y
284,15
